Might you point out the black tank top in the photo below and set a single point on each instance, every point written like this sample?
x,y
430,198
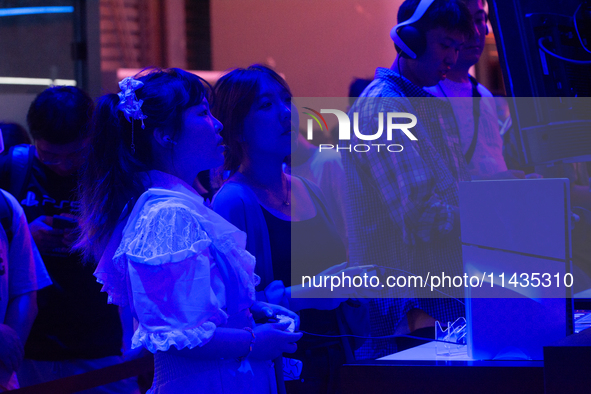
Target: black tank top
x,y
305,247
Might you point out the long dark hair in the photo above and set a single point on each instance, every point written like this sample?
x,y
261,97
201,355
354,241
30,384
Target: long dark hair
x,y
112,175
235,94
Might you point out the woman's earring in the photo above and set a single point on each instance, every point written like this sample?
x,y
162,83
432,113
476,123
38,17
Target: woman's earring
x,y
169,140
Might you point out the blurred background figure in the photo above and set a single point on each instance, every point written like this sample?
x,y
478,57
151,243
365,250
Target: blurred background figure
x,y
22,273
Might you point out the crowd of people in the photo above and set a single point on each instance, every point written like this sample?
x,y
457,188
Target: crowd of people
x,y
109,249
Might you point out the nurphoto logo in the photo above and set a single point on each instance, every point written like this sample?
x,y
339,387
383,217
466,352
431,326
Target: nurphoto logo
x,y
345,130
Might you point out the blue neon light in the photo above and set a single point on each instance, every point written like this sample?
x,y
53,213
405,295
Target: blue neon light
x,y
35,10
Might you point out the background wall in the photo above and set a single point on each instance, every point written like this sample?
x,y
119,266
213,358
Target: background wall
x,y
14,107
319,45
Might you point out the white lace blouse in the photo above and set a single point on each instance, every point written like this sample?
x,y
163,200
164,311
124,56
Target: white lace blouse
x,y
162,267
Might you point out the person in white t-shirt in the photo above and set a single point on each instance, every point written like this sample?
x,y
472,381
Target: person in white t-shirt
x,y
484,154
22,273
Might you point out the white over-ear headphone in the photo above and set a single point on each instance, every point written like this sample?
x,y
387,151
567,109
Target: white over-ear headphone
x,y
414,36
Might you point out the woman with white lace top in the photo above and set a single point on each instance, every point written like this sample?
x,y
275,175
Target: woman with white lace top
x,y
180,268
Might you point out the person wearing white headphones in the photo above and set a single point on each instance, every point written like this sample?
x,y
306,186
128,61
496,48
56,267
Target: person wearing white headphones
x,y
403,207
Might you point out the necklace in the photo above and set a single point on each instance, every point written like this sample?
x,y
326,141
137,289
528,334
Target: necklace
x,y
272,199
442,91
287,190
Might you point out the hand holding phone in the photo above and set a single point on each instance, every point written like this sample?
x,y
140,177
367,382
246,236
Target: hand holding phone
x,y
63,222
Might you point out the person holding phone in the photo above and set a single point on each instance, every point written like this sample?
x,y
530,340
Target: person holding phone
x,y
75,330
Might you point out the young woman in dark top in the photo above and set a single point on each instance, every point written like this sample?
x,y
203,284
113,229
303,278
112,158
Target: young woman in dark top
x,y
289,230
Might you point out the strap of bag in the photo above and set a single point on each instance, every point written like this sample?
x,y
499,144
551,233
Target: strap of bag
x,y
6,216
476,97
21,160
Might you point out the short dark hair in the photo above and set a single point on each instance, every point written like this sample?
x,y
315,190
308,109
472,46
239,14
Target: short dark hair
x,y
452,15
60,115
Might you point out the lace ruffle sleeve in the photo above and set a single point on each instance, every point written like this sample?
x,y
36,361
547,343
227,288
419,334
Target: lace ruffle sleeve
x,y
166,256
